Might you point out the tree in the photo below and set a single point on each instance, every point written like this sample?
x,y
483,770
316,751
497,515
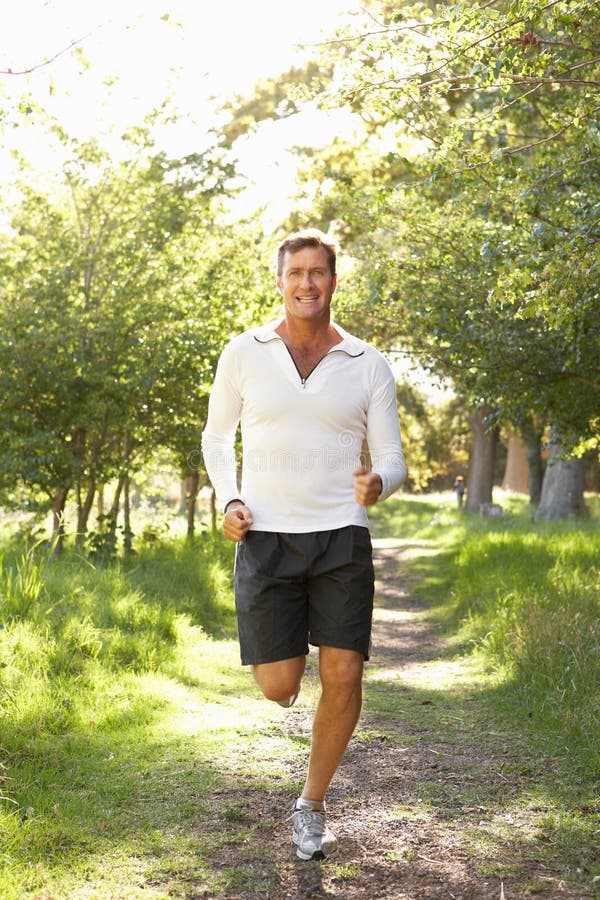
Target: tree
x,y
480,479
516,471
475,232
562,491
105,345
434,438
225,285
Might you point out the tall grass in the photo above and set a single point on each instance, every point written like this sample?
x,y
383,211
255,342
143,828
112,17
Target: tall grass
x,y
65,625
524,593
531,600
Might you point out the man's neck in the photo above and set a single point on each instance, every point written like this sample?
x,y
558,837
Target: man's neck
x,y
310,333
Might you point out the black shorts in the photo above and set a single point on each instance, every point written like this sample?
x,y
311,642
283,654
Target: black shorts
x,y
292,589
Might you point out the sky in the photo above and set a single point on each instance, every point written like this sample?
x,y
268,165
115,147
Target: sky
x,y
189,50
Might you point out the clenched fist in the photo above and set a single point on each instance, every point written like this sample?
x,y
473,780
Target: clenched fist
x,y
236,522
367,487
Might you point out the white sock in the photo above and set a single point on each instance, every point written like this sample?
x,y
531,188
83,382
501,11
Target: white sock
x,y
301,803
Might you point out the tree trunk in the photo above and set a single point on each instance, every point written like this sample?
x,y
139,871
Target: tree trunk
x,y
58,521
533,441
592,472
562,489
480,480
191,486
113,513
213,511
516,471
100,503
83,511
127,532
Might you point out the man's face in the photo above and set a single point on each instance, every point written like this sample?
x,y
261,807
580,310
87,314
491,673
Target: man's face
x,y
306,284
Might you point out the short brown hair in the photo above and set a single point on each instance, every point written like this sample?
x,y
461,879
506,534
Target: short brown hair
x,y
309,237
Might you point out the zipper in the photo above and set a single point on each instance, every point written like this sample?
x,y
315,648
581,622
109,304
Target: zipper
x,y
304,378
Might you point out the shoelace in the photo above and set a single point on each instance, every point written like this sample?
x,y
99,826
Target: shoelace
x,y
311,820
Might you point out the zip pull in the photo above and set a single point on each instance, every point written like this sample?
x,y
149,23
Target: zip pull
x,y
303,381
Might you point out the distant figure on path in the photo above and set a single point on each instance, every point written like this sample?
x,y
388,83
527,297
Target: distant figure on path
x,y
460,488
307,394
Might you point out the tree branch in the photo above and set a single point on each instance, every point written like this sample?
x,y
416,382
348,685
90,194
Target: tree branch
x,y
49,61
507,151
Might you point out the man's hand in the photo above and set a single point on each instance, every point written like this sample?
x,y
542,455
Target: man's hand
x,y
236,521
367,487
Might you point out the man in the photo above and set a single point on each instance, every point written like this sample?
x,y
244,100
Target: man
x,y
308,395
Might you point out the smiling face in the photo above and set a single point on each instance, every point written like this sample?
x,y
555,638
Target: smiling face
x,y
306,284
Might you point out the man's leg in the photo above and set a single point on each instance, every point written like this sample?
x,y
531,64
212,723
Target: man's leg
x,y
336,716
335,719
280,680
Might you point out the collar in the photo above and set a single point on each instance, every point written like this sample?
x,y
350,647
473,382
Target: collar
x,y
349,344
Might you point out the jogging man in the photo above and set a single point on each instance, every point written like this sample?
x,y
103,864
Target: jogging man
x,y
308,396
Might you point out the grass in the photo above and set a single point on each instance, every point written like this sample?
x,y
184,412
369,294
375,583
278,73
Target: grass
x,y
125,717
518,603
525,594
108,673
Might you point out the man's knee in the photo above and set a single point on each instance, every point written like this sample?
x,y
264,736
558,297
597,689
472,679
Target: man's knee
x,y
340,669
279,680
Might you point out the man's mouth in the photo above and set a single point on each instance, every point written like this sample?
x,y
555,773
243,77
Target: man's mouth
x,y
306,299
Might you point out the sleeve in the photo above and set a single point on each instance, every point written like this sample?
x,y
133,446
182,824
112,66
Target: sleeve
x,y
383,431
218,437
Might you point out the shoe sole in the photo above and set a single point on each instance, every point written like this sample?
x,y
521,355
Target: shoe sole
x,y
318,855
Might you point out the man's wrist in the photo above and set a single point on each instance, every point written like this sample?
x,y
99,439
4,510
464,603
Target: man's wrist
x,y
234,500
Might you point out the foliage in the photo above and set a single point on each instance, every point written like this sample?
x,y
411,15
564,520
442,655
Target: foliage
x,y
434,438
471,200
497,219
116,301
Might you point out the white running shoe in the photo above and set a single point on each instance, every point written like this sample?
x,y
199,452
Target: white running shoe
x,y
312,837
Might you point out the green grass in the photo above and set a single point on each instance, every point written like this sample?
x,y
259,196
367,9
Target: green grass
x,y
526,594
107,675
125,718
519,605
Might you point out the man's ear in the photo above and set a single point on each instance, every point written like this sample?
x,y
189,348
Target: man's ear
x,y
278,284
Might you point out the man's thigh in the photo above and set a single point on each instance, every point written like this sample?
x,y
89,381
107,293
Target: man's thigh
x,y
271,599
341,590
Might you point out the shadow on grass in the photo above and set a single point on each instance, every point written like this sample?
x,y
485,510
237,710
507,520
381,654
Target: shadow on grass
x,y
471,758
194,577
163,813
119,801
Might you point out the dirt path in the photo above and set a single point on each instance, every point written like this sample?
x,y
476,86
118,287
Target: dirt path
x,y
421,785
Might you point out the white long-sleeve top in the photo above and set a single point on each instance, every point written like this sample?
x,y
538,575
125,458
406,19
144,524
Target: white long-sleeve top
x,y
302,438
